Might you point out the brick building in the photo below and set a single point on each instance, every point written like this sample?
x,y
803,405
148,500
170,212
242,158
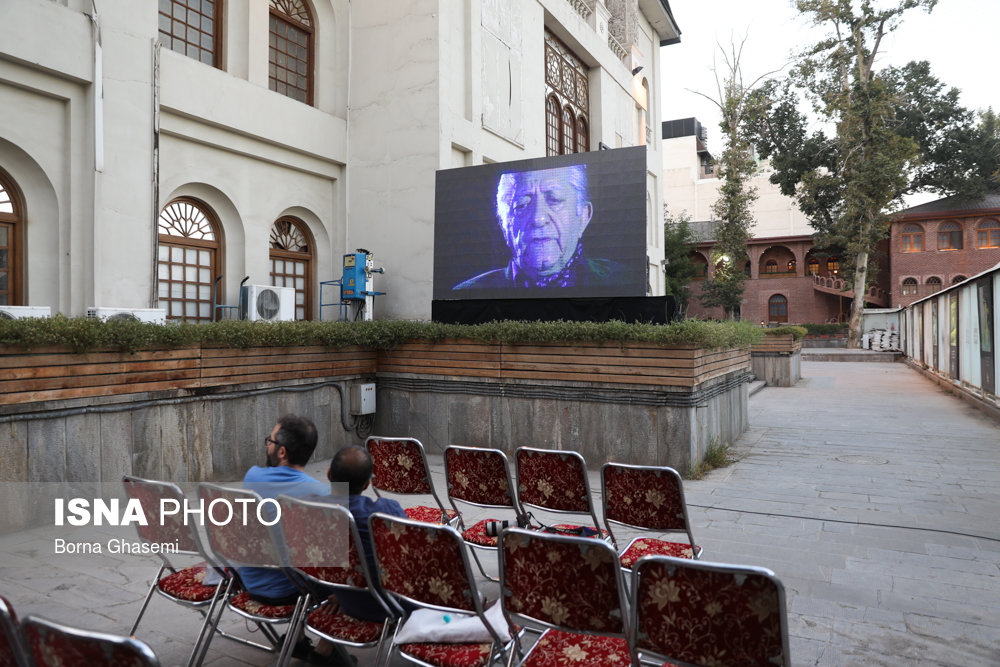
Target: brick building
x,y
788,279
941,243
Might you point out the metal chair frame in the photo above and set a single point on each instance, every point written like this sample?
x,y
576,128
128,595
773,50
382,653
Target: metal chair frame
x,y
171,491
306,577
499,650
452,498
12,635
33,624
675,476
647,656
227,560
514,617
426,471
589,511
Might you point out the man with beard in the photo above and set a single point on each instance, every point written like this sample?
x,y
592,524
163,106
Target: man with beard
x,y
288,448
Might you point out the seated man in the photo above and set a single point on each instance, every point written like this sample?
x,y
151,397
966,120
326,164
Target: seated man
x,y
353,465
288,449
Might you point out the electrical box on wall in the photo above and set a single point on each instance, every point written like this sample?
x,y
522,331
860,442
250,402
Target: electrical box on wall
x,y
363,399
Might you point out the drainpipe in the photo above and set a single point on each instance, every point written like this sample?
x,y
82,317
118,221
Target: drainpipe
x,y
154,260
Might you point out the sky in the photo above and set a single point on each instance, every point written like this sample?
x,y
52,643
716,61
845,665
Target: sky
x,y
958,38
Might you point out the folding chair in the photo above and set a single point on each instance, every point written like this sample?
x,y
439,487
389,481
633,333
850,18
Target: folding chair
x,y
324,546
651,498
573,587
698,613
556,481
52,644
183,586
399,466
13,653
480,477
235,544
427,565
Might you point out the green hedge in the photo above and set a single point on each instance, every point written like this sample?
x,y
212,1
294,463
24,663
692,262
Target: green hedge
x,y
798,332
816,329
83,334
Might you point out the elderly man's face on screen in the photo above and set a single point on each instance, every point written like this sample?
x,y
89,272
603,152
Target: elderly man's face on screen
x,y
546,213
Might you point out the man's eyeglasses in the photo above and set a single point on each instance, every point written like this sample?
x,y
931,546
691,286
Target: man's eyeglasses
x,y
270,440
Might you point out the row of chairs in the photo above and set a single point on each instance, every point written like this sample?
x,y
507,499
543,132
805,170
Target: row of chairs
x,y
649,498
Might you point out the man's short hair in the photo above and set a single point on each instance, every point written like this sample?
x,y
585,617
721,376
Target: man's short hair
x,y
507,187
352,465
298,436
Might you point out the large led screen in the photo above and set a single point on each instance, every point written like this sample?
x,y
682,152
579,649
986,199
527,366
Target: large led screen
x,y
564,226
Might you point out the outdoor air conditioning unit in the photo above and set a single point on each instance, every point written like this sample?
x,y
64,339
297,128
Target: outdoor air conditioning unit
x,y
267,304
20,312
155,315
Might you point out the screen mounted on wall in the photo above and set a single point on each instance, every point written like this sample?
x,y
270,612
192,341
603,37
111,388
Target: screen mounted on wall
x,y
564,226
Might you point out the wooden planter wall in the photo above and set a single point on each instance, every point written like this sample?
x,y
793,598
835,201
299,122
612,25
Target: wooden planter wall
x,y
634,363
777,360
55,373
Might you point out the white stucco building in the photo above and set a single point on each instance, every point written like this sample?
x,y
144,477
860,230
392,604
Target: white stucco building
x,y
149,146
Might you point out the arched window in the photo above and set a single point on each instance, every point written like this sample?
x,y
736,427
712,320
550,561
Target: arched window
x,y
192,27
988,234
11,224
582,135
957,279
568,131
551,125
933,284
833,265
912,238
812,266
291,262
777,309
567,84
790,267
699,261
291,50
189,246
910,287
950,236
771,266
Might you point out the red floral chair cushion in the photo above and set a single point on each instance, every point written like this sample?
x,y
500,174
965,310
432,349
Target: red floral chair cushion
x,y
693,613
186,585
341,626
569,583
423,562
50,647
319,542
554,480
648,546
244,602
556,647
240,545
149,494
428,514
450,655
644,497
398,466
479,476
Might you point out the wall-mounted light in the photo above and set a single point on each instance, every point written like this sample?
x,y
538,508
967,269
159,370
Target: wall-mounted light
x,y
636,70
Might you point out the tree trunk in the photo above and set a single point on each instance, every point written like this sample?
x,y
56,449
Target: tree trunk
x,y
858,304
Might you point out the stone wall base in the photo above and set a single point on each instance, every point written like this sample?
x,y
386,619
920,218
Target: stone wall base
x,y
639,424
777,369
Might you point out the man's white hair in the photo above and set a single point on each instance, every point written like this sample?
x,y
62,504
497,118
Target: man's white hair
x,y
507,187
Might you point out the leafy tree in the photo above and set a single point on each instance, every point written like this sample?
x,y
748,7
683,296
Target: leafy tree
x,y
678,269
734,207
882,122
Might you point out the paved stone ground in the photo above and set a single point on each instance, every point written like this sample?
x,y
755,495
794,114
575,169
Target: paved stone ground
x,y
870,492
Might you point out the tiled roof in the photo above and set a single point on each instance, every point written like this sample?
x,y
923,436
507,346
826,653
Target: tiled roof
x,y
989,201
